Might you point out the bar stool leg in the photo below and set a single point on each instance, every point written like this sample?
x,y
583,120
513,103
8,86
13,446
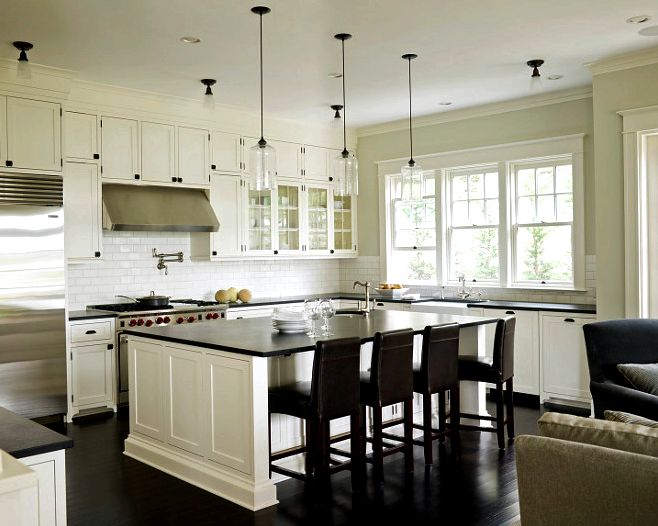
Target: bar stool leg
x,y
408,436
442,416
357,452
321,441
269,441
454,410
377,446
509,385
500,415
309,464
427,427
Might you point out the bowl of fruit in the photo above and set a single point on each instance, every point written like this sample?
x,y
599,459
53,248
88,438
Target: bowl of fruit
x,y
391,290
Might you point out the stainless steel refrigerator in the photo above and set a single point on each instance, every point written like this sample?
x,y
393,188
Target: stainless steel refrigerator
x,y
32,318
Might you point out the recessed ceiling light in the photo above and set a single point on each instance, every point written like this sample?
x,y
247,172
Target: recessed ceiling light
x,y
651,31
555,77
190,40
335,75
445,103
640,19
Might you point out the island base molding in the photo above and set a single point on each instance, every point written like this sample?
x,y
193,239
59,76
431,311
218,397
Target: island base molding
x,y
201,474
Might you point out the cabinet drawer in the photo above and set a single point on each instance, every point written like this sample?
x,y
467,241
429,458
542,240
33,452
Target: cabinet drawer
x,y
92,332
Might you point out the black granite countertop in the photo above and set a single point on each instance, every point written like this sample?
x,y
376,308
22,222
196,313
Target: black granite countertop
x,y
262,302
21,437
91,314
255,336
575,308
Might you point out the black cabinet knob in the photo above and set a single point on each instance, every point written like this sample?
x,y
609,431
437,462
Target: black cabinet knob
x,y
9,163
331,179
97,156
97,254
110,346
331,251
214,252
276,252
136,176
213,167
180,179
510,312
415,248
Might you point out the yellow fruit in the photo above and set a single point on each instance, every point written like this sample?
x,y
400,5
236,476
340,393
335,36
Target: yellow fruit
x,y
222,296
232,294
244,295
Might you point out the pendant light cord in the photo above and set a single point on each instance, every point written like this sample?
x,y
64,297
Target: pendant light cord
x,y
261,77
345,153
411,134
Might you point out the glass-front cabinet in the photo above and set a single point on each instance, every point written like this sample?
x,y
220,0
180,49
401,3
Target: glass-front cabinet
x,y
260,221
289,217
318,199
344,224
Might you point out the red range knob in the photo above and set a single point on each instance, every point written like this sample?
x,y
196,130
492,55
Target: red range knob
x,y
209,316
180,320
190,319
159,320
140,322
215,315
167,319
132,323
149,323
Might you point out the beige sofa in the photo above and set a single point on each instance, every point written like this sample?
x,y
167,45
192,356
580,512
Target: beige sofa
x,y
582,471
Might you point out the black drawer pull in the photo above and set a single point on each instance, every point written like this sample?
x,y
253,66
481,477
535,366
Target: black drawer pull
x,y
380,305
510,312
90,331
569,320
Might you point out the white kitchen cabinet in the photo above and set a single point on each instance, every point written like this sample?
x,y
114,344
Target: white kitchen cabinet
x,y
51,474
288,158
193,156
564,370
120,148
318,217
81,137
158,147
316,163
92,365
3,130
260,217
83,234
226,152
33,134
146,395
289,217
344,220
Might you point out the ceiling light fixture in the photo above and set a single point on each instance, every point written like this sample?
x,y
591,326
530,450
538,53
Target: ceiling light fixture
x,y
190,40
412,174
262,156
336,108
535,78
208,99
23,71
640,19
346,166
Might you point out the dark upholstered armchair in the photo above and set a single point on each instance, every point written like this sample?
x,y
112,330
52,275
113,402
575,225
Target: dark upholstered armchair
x,y
620,341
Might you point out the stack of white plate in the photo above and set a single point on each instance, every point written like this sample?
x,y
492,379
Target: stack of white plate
x,y
290,321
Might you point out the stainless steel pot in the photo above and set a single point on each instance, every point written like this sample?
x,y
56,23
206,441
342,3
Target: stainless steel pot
x,y
149,301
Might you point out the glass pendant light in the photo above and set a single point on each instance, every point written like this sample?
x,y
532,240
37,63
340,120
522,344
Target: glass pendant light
x,y
345,166
23,71
411,176
262,157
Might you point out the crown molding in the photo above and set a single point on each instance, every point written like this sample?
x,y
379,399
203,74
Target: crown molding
x,y
483,110
46,83
635,59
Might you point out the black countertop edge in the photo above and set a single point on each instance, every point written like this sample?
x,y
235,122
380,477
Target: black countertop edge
x,y
336,296
576,308
21,437
76,315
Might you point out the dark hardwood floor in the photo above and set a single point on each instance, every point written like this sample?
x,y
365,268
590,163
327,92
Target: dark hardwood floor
x,y
477,486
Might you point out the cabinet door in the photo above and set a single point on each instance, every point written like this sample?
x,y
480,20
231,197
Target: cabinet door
x,y
564,359
91,375
318,224
316,164
184,402
344,223
49,514
82,211
227,386
193,156
81,136
226,201
119,148
288,158
34,134
146,393
3,130
289,217
226,152
158,151
260,221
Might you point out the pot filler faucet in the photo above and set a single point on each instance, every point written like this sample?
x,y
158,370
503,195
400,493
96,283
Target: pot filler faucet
x,y
366,287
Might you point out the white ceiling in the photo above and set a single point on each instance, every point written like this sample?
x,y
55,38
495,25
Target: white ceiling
x,y
471,51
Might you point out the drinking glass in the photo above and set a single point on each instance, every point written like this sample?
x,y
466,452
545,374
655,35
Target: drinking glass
x,y
327,311
312,312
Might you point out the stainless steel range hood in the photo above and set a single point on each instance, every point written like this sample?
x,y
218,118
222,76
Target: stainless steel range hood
x,y
157,209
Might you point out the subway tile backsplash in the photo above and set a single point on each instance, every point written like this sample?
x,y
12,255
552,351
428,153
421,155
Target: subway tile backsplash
x,y
128,268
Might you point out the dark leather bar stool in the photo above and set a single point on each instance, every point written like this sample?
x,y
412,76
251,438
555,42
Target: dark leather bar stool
x,y
499,371
333,392
389,381
438,373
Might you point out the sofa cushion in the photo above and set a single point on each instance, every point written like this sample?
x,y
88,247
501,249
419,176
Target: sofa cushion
x,y
642,376
628,418
615,435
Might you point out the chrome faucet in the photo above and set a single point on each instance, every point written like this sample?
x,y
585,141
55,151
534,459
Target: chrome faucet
x,y
462,292
366,287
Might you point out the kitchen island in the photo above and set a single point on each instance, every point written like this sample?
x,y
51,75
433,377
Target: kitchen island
x,y
198,394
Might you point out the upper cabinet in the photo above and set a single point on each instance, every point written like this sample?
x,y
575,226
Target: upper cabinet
x,y
226,152
158,152
193,156
316,163
81,137
288,158
120,148
82,210
31,138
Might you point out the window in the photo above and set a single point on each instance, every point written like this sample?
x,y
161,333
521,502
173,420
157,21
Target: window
x,y
543,223
413,234
472,245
